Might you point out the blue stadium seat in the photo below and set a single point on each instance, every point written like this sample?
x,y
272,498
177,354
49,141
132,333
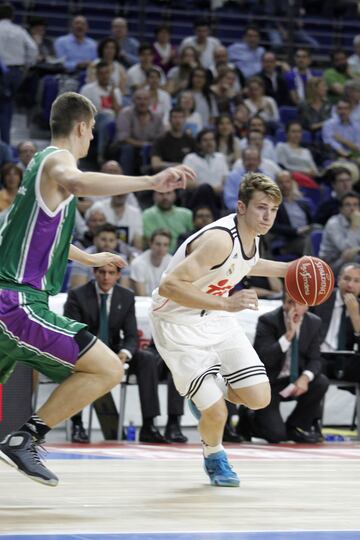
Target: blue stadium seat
x,y
287,114
280,136
315,241
50,91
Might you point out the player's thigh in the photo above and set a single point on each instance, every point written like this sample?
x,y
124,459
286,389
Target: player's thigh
x,y
101,360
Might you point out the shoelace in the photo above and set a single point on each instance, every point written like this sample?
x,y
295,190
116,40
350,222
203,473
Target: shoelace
x,y
38,451
221,465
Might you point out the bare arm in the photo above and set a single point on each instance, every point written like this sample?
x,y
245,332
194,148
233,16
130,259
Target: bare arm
x,y
210,250
95,259
269,268
61,168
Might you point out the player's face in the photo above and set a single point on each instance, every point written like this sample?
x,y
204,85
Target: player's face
x,y
106,277
349,281
260,213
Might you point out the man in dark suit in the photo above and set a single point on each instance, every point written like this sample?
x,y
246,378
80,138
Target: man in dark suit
x,y
287,341
274,81
340,316
86,304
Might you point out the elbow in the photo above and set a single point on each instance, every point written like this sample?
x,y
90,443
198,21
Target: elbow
x,y
167,288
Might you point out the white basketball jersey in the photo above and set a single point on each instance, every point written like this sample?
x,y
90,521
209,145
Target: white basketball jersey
x,y
219,281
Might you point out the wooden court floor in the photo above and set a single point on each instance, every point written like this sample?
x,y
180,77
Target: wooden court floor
x,y
118,488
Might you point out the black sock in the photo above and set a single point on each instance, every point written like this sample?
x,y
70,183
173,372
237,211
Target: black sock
x,y
148,422
36,427
173,420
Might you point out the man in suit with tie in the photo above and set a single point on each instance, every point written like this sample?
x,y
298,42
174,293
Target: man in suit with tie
x,y
340,316
109,311
287,341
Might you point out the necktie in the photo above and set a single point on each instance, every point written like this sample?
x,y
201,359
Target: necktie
x,y
103,320
342,330
294,362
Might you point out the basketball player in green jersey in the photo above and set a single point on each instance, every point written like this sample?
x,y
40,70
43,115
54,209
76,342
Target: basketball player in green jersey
x,y
34,249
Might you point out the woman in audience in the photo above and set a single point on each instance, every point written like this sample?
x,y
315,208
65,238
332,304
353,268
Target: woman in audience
x,y
164,51
295,158
108,51
261,105
193,120
316,108
11,176
226,141
160,100
226,91
179,76
205,102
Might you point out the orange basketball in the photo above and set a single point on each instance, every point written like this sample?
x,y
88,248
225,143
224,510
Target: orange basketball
x,y
309,281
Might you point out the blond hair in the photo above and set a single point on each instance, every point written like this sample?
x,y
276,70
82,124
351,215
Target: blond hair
x,y
254,181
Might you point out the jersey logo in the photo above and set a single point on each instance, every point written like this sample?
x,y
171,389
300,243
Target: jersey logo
x,y
219,288
22,190
231,270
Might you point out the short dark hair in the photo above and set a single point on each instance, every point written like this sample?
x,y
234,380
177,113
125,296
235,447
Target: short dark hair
x,y
67,109
144,47
176,110
349,195
202,134
161,232
6,11
337,51
202,207
106,227
251,27
292,123
336,171
201,21
101,64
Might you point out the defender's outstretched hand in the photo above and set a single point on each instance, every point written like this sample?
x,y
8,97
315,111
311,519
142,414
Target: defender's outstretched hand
x,y
104,258
172,178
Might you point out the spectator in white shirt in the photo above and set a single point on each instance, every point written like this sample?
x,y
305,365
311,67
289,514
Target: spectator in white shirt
x,y
137,74
261,105
202,42
160,100
146,269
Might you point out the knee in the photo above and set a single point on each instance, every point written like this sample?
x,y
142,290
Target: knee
x,y
216,414
113,372
259,398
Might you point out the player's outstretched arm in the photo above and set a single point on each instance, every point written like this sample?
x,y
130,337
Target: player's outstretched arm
x,y
95,259
209,250
62,169
268,268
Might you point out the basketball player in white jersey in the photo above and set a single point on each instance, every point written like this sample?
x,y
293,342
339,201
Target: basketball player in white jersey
x,y
192,322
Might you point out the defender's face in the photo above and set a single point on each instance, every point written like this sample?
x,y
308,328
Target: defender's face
x,y
260,213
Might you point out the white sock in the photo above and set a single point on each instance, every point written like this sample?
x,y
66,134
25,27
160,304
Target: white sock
x,y
211,449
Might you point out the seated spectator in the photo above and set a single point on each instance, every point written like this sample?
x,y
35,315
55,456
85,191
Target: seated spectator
x,y
108,51
221,63
202,42
315,109
298,76
250,163
94,218
137,74
25,151
45,44
107,99
352,95
105,239
165,54
341,183
126,218
267,166
340,134
136,129
247,54
165,215
341,237
225,90
261,105
75,49
171,148
295,158
179,76
205,102
293,219
210,166
11,176
354,59
109,311
336,77
226,141
340,314
193,120
202,216
160,100
275,85
146,269
265,146
128,46
287,341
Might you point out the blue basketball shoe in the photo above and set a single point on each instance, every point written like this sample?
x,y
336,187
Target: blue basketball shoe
x,y
220,471
194,410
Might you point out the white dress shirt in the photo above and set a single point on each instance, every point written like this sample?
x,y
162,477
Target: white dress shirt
x,y
330,343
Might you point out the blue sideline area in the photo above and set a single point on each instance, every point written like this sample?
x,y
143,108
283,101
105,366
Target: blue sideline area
x,y
256,535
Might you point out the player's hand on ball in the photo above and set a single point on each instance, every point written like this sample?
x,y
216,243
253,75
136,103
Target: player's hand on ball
x,y
245,299
104,258
172,178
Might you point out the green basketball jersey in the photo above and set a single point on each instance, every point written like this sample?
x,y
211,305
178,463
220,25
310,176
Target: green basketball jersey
x,y
34,241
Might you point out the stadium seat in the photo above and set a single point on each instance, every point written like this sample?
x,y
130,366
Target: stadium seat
x,y
287,114
315,241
